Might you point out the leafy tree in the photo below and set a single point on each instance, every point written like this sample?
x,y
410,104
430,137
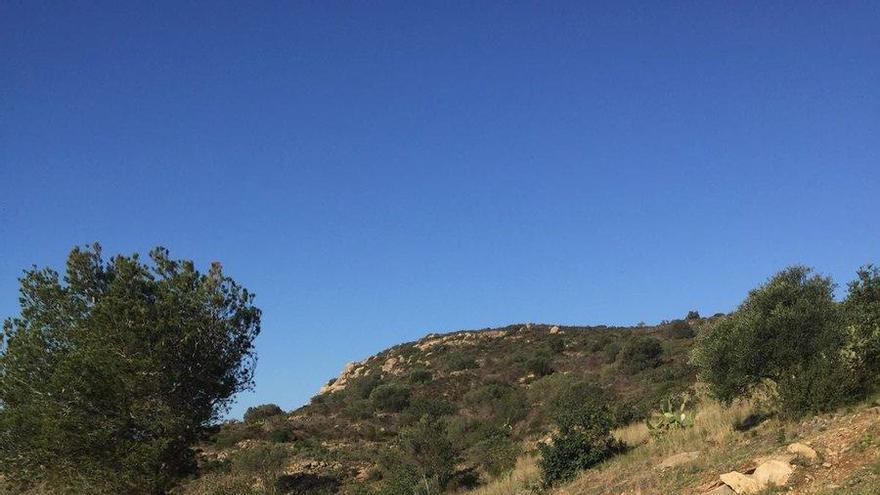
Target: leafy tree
x,y
262,412
693,315
862,307
788,332
583,438
111,372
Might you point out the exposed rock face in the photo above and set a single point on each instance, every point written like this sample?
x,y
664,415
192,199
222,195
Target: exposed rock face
x,y
678,459
803,451
351,370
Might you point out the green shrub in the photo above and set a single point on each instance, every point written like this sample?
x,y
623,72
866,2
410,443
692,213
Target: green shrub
x,y
539,366
431,407
361,388
358,409
495,452
306,484
501,403
610,351
390,397
459,362
420,376
640,353
257,414
279,430
583,440
232,433
693,315
420,462
680,329
789,332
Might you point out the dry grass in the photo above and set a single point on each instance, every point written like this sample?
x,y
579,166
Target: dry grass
x,y
634,472
518,482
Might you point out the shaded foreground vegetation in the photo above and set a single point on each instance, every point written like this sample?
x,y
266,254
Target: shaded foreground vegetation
x,y
134,363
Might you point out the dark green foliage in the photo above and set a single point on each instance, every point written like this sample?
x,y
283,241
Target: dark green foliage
x,y
460,362
556,344
610,351
422,461
358,409
501,403
430,407
390,397
111,373
583,439
232,433
679,329
640,353
862,307
788,331
257,414
420,376
306,484
361,388
493,451
278,430
539,366
693,315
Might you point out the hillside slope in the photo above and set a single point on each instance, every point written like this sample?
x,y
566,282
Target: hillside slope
x,y
491,391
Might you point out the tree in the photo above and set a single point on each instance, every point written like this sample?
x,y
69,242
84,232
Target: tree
x,y
787,332
862,307
109,374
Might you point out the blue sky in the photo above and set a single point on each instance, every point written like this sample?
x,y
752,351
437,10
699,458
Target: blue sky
x,y
375,171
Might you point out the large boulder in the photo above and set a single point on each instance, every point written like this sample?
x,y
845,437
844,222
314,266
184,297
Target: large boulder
x,y
773,472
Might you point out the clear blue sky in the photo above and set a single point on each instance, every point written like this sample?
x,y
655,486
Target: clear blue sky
x,y
376,171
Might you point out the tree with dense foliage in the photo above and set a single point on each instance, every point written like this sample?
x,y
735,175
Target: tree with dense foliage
x,y
110,373
582,440
862,307
788,333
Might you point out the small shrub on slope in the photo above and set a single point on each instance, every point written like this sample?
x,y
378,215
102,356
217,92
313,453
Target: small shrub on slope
x,y
583,440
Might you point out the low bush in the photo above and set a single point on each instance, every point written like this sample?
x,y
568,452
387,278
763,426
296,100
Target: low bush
x,y
583,439
640,353
259,413
390,397
679,329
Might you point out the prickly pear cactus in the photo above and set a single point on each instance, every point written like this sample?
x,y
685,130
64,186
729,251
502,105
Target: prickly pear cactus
x,y
673,415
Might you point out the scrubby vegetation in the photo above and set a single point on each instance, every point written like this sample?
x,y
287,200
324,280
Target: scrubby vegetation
x,y
524,407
